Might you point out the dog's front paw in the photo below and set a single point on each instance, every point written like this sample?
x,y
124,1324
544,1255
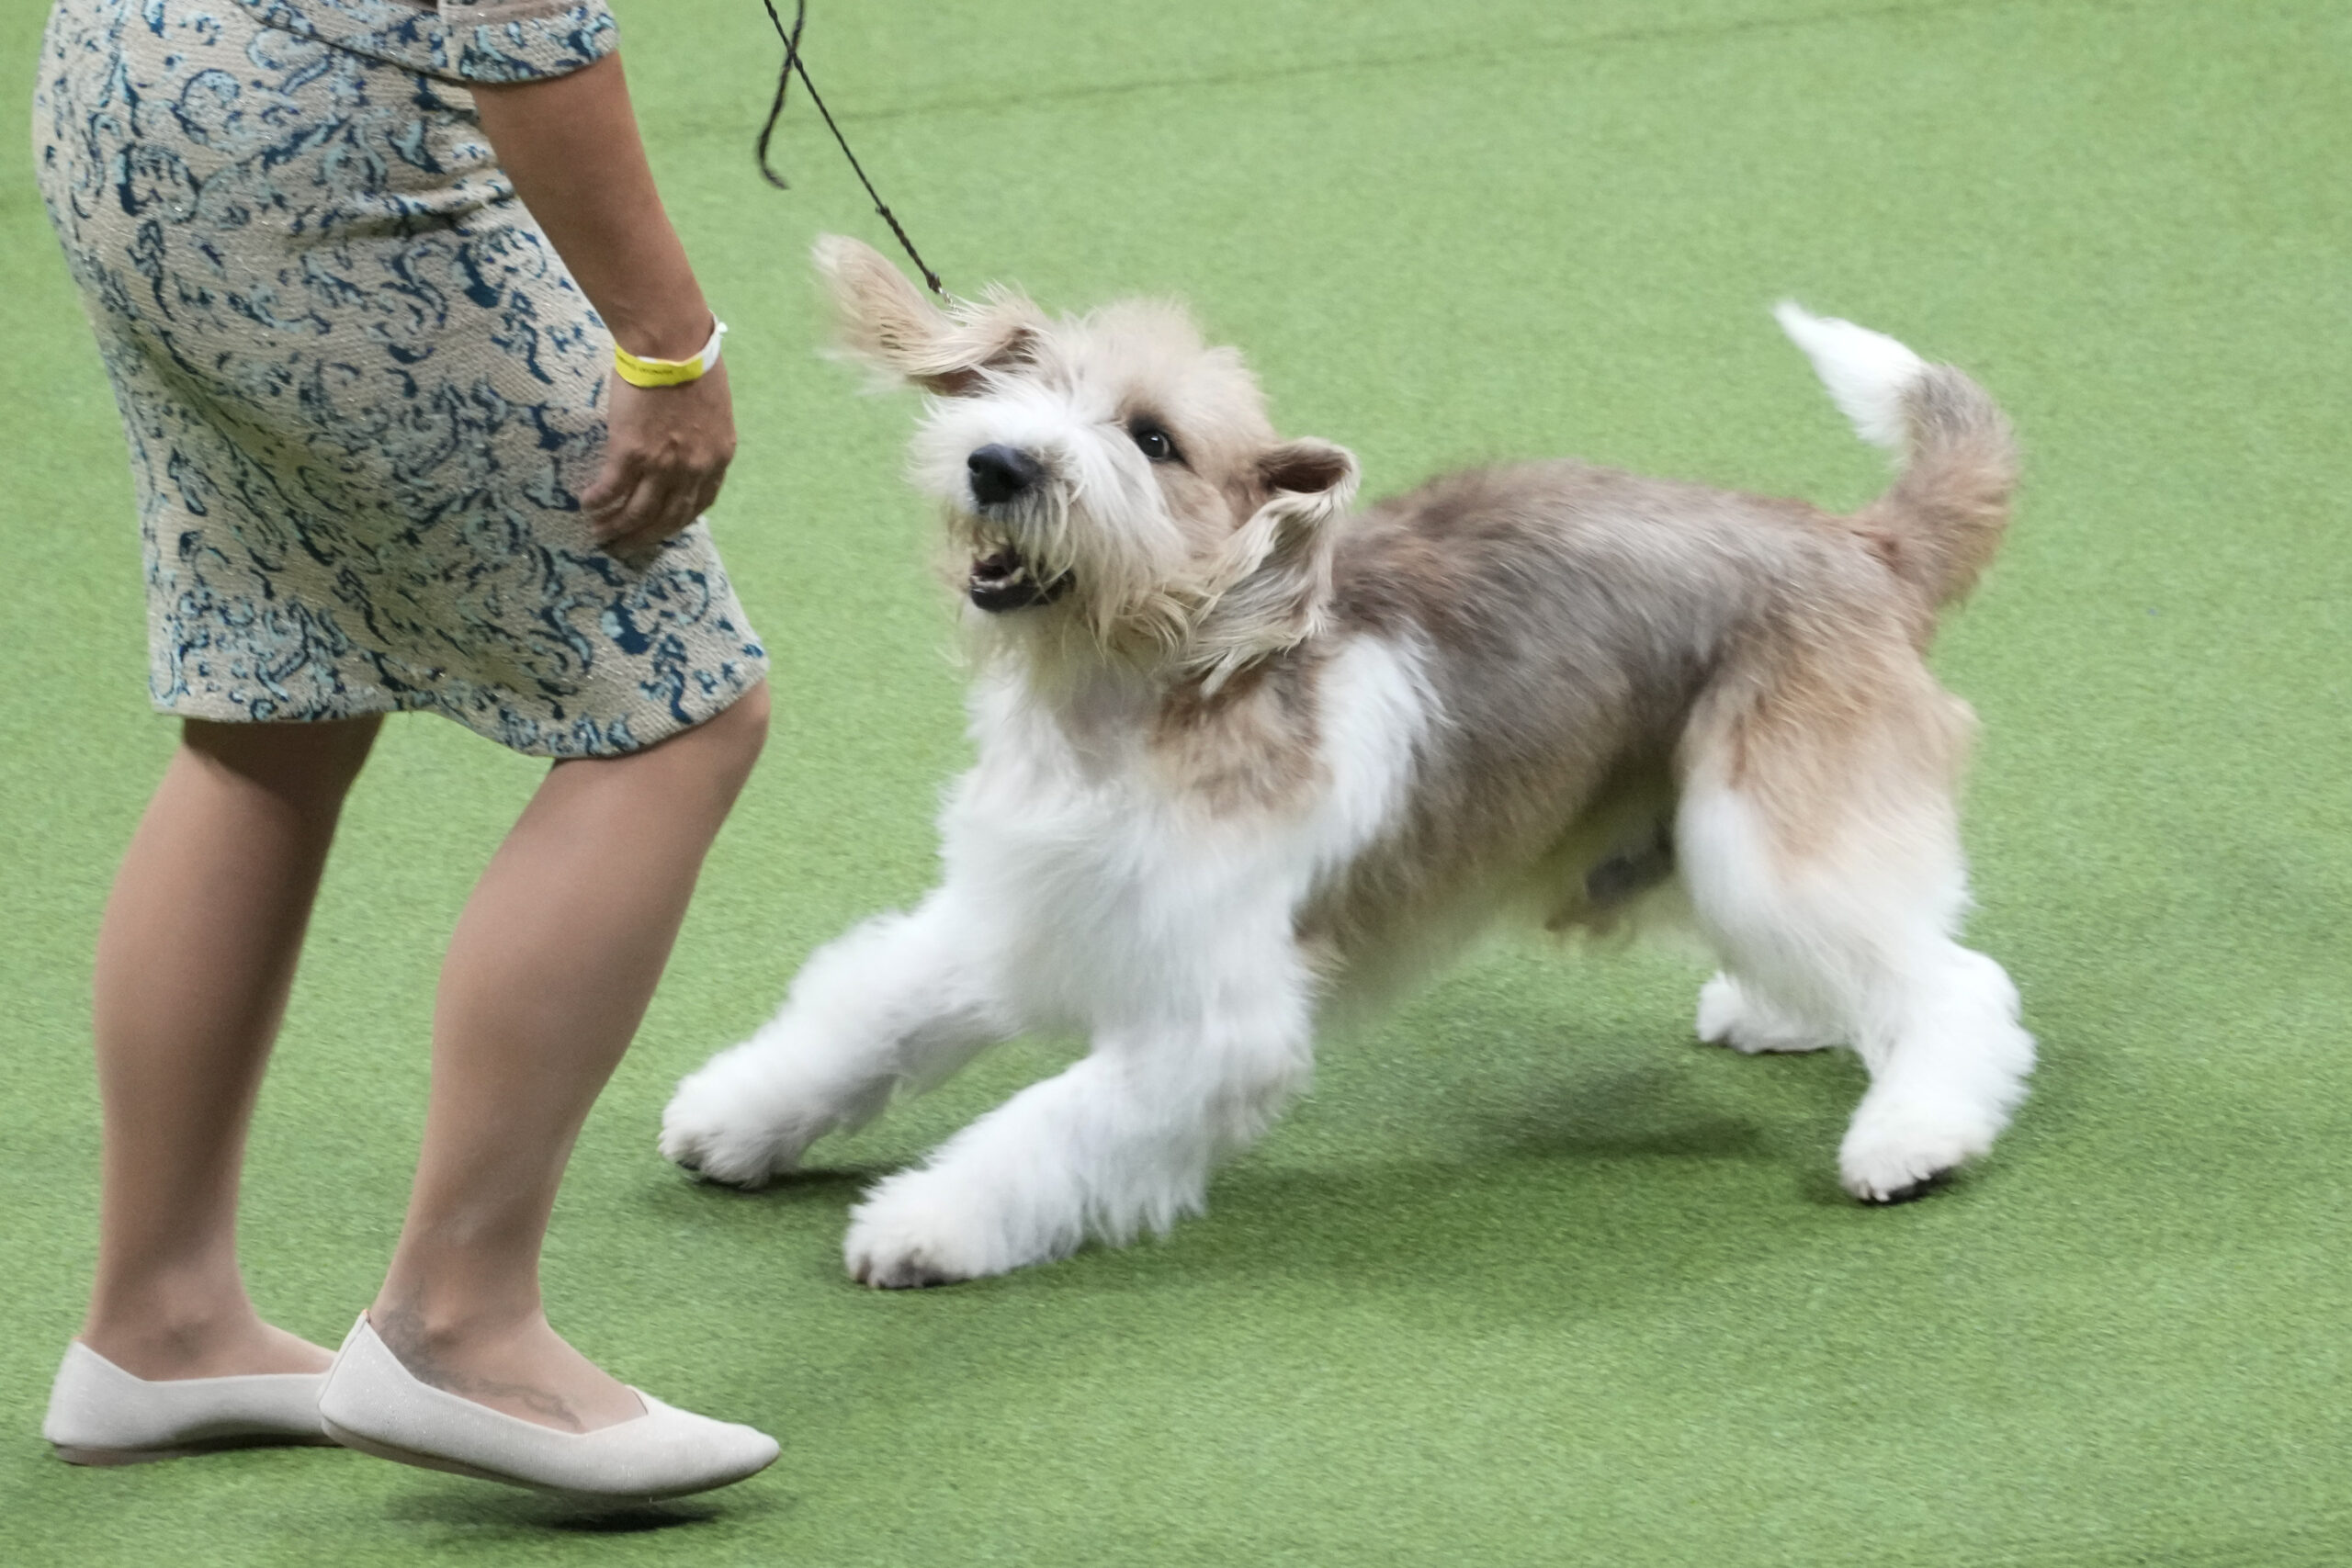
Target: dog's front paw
x,y
1899,1146
1730,1014
734,1122
928,1227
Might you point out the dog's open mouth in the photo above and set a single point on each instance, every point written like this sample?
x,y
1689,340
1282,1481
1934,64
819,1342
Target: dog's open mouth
x,y
1002,580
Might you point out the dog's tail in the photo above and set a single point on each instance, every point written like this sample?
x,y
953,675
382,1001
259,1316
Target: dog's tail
x,y
1942,523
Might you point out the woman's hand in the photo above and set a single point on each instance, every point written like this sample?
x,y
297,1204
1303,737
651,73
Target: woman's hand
x,y
665,459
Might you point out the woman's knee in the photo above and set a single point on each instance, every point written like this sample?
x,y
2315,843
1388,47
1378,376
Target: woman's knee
x,y
729,741
746,722
750,713
717,754
310,765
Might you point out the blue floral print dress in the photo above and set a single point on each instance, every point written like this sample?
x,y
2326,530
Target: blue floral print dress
x,y
362,393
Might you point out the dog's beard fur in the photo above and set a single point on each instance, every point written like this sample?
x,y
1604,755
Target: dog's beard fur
x,y
1244,756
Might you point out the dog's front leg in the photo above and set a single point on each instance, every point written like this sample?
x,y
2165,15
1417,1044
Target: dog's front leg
x,y
1120,1144
902,1000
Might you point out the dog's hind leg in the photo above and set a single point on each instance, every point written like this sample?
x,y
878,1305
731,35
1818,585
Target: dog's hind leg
x,y
1833,890
901,1001
1120,1144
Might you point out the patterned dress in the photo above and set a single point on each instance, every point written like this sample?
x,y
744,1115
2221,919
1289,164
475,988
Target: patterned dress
x,y
362,392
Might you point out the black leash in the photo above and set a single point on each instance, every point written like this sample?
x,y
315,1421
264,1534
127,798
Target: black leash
x,y
792,62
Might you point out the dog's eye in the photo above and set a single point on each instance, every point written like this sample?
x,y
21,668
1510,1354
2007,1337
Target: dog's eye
x,y
1153,442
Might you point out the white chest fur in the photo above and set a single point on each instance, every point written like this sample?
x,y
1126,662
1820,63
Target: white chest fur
x,y
1114,891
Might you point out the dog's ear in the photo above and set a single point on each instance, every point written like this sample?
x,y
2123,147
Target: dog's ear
x,y
1276,575
883,323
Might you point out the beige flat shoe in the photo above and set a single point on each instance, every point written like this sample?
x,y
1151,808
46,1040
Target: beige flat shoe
x,y
98,1414
377,1405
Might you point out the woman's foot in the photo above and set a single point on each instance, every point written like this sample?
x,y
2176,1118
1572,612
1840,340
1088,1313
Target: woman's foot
x,y
227,1346
372,1402
521,1367
225,1390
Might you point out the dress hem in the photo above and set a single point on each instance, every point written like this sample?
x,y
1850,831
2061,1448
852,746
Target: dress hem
x,y
662,726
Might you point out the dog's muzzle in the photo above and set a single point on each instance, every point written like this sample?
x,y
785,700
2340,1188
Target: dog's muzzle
x,y
1003,580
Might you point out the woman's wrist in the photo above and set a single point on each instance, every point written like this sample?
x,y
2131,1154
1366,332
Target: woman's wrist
x,y
639,370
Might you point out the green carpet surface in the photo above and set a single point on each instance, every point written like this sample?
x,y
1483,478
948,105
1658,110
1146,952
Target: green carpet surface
x,y
1531,1277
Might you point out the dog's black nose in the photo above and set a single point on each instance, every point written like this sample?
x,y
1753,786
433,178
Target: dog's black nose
x,y
1000,473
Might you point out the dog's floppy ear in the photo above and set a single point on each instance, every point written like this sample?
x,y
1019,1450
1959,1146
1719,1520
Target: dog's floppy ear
x,y
1276,576
884,322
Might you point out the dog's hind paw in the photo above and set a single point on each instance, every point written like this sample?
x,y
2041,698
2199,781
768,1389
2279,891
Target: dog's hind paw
x,y
726,1123
1730,1014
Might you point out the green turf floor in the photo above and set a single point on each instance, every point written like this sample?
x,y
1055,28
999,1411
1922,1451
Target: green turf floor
x,y
1532,1278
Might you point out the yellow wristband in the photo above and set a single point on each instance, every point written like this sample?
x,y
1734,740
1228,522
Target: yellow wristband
x,y
669,372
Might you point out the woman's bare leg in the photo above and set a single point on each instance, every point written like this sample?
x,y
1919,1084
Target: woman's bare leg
x,y
549,973
196,956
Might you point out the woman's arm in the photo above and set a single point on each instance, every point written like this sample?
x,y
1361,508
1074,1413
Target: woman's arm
x,y
569,145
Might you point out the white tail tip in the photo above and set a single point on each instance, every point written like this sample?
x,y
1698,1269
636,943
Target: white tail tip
x,y
1866,372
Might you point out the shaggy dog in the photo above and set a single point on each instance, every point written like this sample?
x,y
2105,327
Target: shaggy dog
x,y
1247,757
